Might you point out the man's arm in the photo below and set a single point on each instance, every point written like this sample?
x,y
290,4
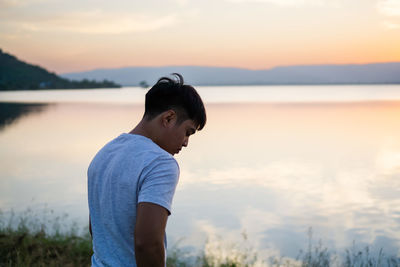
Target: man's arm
x,y
90,227
151,220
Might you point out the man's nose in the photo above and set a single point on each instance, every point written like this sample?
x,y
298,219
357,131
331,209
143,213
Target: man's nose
x,y
185,142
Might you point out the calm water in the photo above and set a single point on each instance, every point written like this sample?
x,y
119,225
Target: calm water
x,y
271,162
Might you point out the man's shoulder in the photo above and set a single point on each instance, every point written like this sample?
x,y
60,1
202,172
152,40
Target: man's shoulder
x,y
134,153
138,147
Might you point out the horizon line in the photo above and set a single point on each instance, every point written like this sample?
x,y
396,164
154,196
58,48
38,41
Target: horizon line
x,y
232,67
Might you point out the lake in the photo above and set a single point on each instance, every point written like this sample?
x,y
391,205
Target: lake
x,y
272,162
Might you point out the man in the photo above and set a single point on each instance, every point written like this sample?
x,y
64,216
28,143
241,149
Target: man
x,y
132,179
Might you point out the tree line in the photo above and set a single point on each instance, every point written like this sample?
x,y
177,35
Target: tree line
x,y
18,75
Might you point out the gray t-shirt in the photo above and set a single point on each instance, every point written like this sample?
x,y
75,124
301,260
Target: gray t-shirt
x,y
128,170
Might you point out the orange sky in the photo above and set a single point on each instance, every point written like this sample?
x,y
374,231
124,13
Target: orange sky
x,y
65,36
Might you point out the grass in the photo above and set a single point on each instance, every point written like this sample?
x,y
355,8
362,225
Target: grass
x,y
27,240
47,240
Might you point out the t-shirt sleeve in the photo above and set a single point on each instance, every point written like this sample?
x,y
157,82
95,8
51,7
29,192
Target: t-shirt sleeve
x,y
159,183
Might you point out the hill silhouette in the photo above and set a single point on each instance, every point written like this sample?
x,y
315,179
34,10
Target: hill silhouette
x,y
377,73
18,75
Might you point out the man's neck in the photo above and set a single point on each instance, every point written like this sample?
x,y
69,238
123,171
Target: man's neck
x,y
145,129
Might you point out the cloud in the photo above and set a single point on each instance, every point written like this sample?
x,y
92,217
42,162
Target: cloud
x,y
308,194
19,3
278,174
292,180
290,3
389,7
388,160
97,22
391,25
9,3
181,2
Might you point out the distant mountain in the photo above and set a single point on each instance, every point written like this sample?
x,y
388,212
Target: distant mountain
x,y
18,75
378,73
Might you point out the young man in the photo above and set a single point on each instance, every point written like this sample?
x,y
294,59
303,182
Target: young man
x,y
132,179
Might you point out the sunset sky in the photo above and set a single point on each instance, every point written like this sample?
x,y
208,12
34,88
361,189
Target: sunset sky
x,y
66,36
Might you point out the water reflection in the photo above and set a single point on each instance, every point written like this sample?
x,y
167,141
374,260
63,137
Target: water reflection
x,y
12,112
271,170
276,170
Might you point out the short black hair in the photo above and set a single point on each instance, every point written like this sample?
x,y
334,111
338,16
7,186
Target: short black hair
x,y
173,94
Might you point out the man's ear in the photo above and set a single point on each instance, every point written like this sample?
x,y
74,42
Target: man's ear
x,y
169,117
